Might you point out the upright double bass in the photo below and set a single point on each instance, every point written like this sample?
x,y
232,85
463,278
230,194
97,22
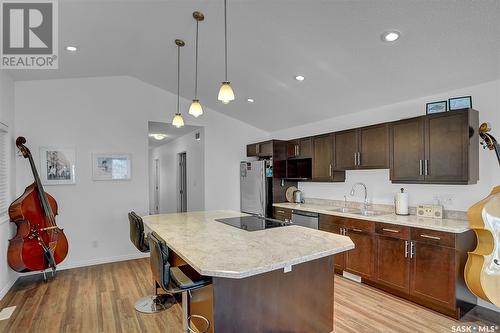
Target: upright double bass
x,y
39,243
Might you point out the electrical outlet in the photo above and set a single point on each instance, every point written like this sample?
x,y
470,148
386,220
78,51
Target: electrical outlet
x,y
446,199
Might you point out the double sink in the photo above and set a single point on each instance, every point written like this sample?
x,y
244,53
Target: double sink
x,y
358,211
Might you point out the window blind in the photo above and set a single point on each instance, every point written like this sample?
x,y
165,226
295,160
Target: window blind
x,y
4,172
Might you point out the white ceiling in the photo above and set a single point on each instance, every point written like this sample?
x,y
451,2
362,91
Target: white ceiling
x,y
172,132
335,44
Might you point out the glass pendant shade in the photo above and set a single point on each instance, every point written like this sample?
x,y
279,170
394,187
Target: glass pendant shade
x,y
226,93
178,121
195,109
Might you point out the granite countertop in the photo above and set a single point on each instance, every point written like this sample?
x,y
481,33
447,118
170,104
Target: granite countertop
x,y
215,249
447,225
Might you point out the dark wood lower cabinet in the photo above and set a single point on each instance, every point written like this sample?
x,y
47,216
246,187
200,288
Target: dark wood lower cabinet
x,y
424,266
393,263
433,275
360,260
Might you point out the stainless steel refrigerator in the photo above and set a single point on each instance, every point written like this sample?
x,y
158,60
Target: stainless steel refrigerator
x,y
256,187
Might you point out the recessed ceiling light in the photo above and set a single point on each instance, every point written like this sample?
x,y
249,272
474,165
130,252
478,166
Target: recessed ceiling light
x,y
250,100
158,136
71,48
390,36
299,78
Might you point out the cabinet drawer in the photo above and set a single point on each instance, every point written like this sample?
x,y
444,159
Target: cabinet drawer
x,y
392,230
434,237
282,213
330,223
360,225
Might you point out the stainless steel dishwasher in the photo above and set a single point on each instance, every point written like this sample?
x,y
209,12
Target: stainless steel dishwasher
x,y
305,219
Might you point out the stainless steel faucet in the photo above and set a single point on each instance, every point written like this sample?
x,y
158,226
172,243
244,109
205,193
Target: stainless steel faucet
x,y
365,203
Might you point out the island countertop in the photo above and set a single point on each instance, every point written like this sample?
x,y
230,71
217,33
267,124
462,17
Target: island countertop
x,y
215,249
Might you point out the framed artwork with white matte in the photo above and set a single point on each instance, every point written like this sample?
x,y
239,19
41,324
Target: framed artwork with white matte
x,y
111,167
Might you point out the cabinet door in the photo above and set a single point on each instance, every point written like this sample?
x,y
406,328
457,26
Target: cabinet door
x,y
393,263
322,158
305,148
374,147
252,150
446,147
407,150
265,149
432,279
292,149
328,223
346,148
360,260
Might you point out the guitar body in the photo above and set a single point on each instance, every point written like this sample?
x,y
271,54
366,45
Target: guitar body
x,y
25,253
482,270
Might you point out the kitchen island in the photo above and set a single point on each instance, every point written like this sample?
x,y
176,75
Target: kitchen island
x,y
272,280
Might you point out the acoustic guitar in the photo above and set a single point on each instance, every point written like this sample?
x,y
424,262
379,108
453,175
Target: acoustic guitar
x,y
482,270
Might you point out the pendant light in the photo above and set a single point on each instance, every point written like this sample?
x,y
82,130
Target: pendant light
x,y
178,121
226,93
195,109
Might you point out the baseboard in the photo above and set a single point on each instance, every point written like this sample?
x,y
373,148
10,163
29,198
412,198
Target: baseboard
x,y
7,287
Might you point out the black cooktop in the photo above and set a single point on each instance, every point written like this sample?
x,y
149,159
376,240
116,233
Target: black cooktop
x,y
252,223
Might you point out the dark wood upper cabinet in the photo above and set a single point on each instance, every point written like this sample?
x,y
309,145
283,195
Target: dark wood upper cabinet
x,y
323,148
407,150
300,148
441,148
347,149
363,148
373,147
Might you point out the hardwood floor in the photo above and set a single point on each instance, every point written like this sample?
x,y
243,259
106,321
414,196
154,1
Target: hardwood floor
x,y
101,299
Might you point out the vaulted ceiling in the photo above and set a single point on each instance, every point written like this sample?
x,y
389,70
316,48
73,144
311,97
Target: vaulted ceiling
x,y
336,45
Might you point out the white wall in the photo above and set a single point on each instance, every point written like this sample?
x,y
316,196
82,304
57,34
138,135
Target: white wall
x,y
111,114
7,229
167,155
485,99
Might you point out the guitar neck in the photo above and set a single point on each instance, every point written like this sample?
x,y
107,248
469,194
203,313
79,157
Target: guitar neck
x,y
497,150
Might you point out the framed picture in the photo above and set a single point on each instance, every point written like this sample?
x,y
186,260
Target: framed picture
x,y
111,167
458,103
57,165
435,107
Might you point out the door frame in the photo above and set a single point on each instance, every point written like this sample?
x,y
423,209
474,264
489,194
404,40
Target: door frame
x,y
156,186
182,182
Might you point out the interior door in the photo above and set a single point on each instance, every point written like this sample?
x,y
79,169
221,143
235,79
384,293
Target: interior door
x,y
182,202
407,150
446,147
346,148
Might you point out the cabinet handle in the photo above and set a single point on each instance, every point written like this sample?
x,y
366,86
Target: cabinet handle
x,y
390,230
420,168
298,150
355,159
357,230
412,249
258,148
330,170
430,237
426,167
406,249
280,211
359,158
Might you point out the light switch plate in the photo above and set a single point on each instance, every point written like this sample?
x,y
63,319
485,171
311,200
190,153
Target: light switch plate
x,y
432,211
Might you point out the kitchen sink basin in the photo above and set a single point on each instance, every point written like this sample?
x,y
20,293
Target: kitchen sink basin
x,y
358,211
347,210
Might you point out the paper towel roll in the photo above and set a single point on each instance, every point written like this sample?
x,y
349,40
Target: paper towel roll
x,y
402,203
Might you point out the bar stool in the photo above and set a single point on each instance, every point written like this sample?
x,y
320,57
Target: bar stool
x,y
151,303
174,280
